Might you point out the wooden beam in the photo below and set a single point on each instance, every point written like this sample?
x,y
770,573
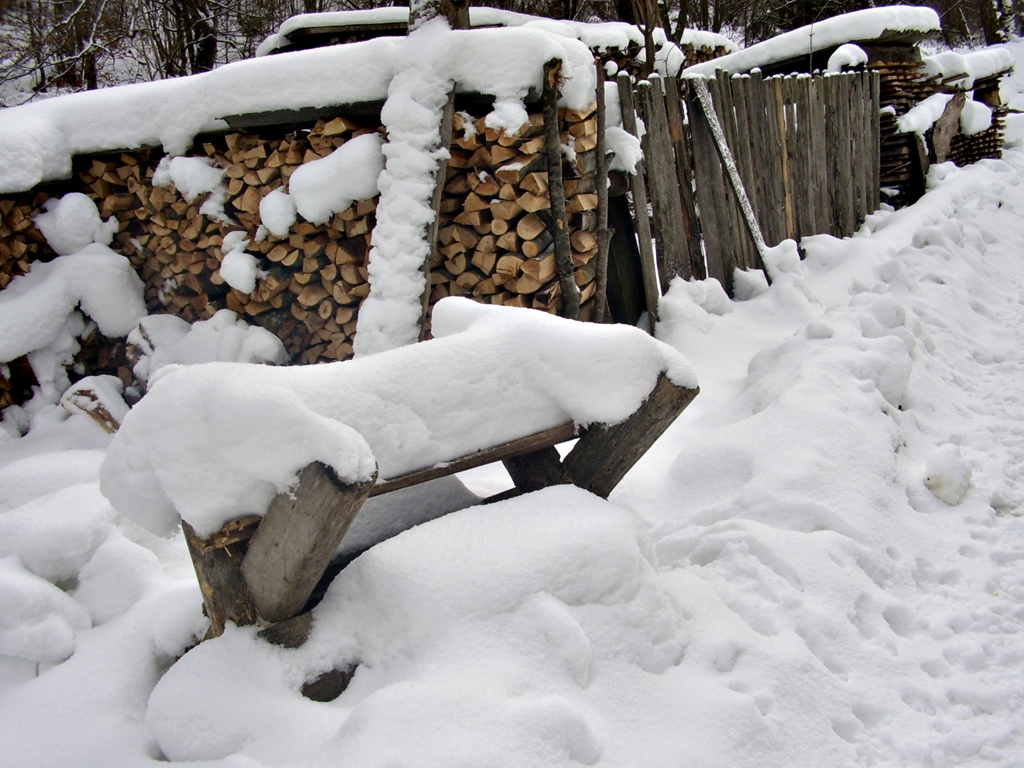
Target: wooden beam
x,y
537,469
604,455
298,537
501,452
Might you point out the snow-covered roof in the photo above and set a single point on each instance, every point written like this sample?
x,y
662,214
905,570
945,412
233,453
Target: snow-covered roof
x,y
597,36
892,24
38,140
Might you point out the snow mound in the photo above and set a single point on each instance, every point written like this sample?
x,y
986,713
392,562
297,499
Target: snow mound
x,y
947,474
477,636
162,340
71,223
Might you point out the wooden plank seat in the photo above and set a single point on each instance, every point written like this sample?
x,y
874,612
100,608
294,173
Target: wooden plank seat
x,y
496,371
263,570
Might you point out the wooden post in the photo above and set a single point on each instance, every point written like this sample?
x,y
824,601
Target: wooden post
x,y
570,303
297,538
603,456
604,235
447,121
638,186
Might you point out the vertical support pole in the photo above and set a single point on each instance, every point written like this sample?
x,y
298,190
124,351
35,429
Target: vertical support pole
x,y
570,304
447,122
604,234
638,187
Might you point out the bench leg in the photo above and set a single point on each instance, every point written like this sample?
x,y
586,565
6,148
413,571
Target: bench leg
x,y
603,456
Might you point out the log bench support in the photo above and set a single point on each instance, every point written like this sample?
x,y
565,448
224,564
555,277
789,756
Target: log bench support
x,y
263,571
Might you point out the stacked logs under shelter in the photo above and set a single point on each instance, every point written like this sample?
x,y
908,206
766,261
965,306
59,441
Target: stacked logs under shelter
x,y
494,243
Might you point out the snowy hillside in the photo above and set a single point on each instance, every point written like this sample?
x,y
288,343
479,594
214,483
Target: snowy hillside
x,y
820,564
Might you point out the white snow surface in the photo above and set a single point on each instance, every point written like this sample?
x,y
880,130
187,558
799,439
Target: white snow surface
x,y
779,582
38,140
217,458
969,67
859,26
34,306
162,340
599,36
323,187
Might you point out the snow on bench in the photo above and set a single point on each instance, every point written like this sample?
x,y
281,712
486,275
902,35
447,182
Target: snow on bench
x,y
218,443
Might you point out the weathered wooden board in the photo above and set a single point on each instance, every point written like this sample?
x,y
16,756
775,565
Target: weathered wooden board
x,y
710,184
669,229
682,145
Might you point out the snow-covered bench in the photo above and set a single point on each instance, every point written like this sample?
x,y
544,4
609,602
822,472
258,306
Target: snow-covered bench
x,y
220,445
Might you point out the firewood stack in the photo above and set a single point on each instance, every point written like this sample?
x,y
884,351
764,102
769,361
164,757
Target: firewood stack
x,y
314,276
695,55
494,240
20,242
902,85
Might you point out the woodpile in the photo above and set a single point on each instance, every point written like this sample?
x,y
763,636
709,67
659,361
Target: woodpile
x,y
988,144
20,242
494,239
695,55
315,276
902,85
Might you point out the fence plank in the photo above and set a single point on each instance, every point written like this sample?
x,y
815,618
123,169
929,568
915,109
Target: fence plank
x,y
767,158
832,140
669,230
819,155
638,186
803,149
710,184
746,250
876,142
681,146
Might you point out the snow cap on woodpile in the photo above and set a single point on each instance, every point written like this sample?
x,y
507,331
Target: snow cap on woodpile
x,y
215,442
857,27
38,140
963,70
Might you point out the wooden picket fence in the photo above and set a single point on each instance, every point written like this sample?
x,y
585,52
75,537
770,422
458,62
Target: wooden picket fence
x,y
807,153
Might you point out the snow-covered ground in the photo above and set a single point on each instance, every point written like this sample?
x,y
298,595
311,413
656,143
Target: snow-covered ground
x,y
820,564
